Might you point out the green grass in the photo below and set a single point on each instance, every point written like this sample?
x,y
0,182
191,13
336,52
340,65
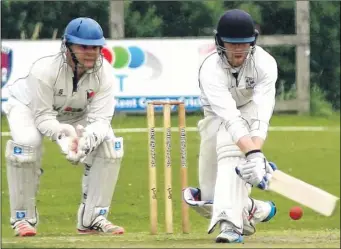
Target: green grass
x,y
311,156
284,239
122,121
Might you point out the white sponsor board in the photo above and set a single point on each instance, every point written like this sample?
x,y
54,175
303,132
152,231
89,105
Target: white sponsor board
x,y
145,69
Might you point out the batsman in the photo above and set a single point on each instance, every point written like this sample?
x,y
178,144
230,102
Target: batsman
x,y
69,98
237,83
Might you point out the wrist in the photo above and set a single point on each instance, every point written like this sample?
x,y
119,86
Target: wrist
x,y
254,154
246,144
258,142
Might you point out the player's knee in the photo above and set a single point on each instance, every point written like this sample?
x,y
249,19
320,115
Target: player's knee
x,y
20,153
111,149
226,148
30,138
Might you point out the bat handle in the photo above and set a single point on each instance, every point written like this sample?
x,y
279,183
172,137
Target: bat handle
x,y
273,166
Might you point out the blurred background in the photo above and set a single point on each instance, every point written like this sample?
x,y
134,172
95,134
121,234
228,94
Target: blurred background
x,y
155,46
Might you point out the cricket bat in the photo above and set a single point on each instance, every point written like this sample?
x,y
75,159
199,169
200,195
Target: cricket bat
x,y
301,192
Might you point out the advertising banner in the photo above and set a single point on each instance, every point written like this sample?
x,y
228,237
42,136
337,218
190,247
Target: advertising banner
x,y
145,69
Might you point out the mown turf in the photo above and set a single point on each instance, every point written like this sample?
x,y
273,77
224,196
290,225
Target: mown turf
x,y
312,156
284,239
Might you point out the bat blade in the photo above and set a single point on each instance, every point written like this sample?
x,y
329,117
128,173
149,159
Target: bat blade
x,y
303,193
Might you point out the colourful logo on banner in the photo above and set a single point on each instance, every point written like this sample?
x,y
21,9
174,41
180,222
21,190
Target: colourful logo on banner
x,y
120,57
6,64
131,58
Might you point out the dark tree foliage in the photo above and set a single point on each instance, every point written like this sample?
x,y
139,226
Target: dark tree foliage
x,y
197,18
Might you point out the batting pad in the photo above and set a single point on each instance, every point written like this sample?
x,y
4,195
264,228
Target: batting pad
x,y
23,171
100,180
231,193
208,128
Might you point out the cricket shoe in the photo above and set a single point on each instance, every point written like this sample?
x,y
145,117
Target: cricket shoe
x,y
260,212
102,225
228,234
23,228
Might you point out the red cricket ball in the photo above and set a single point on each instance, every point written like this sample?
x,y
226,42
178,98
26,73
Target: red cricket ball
x,y
296,213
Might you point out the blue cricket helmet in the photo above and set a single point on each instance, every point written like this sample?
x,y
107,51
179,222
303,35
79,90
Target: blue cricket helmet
x,y
84,31
236,26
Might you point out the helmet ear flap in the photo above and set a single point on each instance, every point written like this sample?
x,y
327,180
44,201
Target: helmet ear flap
x,y
256,36
218,40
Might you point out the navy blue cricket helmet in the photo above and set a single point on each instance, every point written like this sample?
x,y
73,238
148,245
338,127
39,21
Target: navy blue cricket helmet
x,y
236,26
84,31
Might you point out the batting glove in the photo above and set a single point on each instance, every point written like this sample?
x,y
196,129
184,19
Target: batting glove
x,y
256,170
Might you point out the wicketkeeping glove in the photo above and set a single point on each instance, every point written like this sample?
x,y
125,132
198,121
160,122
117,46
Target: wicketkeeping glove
x,y
87,142
67,141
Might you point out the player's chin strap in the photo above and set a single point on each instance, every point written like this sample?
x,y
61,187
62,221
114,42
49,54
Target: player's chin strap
x,y
75,75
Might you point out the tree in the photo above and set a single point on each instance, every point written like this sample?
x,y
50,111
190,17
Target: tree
x,y
325,49
20,18
141,20
197,18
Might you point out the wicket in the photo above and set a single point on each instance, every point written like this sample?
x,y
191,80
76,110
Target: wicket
x,y
167,165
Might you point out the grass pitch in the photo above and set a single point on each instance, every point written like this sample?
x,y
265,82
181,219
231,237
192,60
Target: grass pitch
x,y
311,156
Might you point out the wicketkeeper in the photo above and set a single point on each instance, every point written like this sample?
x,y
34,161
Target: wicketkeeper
x,y
72,88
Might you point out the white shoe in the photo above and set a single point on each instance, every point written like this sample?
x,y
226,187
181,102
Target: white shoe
x,y
229,236
102,225
23,228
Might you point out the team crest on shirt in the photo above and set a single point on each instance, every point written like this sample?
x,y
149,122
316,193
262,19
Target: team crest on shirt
x,y
249,82
6,64
90,94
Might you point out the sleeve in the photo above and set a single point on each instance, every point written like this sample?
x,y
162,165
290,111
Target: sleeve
x,y
42,107
223,105
101,109
264,100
